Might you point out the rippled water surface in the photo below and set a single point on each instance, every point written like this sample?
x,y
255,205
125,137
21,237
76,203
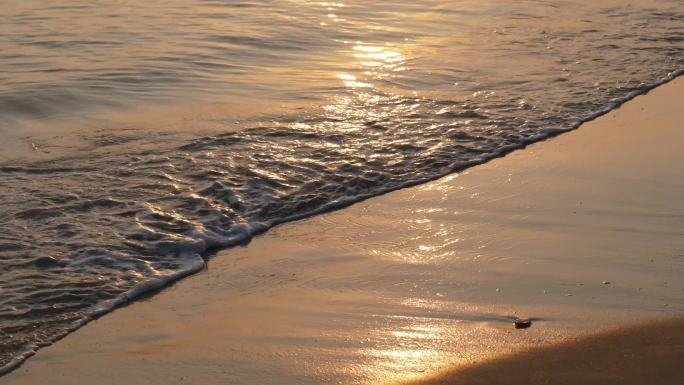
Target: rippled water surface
x,y
140,136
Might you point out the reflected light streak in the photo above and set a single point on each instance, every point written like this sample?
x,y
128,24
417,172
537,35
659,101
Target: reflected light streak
x,y
351,82
409,344
375,61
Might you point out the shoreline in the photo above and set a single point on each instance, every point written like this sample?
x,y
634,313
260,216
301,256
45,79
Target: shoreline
x,y
472,301
151,287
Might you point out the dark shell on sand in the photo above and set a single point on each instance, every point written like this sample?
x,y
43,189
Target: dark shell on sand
x,y
522,323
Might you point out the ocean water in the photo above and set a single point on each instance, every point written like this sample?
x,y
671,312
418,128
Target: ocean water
x,y
137,138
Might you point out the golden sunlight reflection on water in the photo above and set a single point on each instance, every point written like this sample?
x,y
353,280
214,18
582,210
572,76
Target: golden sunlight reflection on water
x,y
404,344
375,61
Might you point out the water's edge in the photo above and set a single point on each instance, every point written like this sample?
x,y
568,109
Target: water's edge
x,y
195,264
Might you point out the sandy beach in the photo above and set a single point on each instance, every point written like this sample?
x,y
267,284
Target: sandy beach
x,y
643,354
583,233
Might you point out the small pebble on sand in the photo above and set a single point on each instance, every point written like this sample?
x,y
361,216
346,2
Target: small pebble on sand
x,y
522,323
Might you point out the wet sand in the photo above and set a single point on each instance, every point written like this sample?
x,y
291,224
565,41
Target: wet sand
x,y
645,354
583,233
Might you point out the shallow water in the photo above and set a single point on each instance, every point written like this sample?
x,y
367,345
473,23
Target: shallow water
x,y
128,157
